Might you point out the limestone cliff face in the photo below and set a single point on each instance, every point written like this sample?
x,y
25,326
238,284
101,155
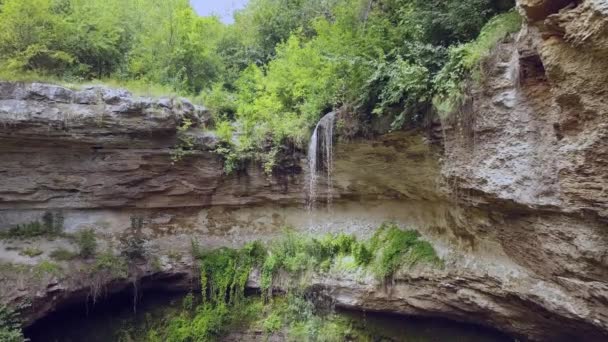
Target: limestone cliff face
x,y
514,197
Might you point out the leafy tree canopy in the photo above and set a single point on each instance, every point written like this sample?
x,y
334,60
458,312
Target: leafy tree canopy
x,y
276,70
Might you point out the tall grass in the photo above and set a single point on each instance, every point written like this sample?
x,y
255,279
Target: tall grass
x,y
138,87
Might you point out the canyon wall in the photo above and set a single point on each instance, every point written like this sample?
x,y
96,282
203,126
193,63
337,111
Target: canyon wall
x,y
514,196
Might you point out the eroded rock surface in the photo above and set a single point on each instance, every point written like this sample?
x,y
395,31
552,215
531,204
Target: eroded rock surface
x,y
514,198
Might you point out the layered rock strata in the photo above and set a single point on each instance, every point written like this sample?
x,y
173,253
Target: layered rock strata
x,y
514,197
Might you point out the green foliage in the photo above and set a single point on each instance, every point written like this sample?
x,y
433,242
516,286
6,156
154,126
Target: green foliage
x,y
275,71
185,142
31,252
87,243
362,254
47,268
110,264
224,131
389,249
62,254
10,326
394,248
298,317
405,84
51,226
465,61
221,102
224,273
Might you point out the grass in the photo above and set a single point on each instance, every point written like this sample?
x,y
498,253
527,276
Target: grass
x,y
87,243
465,61
47,268
31,252
494,31
112,265
136,87
62,254
50,226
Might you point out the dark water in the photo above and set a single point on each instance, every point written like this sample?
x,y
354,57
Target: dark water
x,y
115,320
397,328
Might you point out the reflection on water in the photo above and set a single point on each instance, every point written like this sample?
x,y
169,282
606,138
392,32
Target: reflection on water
x,y
115,321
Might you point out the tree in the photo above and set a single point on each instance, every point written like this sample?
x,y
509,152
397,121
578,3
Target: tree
x,y
28,36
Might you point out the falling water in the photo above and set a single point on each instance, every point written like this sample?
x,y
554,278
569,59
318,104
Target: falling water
x,y
320,158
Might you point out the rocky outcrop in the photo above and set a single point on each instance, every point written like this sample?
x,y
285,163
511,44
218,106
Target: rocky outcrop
x,y
514,197
535,152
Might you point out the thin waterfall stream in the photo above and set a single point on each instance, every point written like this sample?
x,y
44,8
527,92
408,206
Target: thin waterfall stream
x,y
320,159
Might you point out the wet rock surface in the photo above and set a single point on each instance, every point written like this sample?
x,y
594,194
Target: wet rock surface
x,y
513,197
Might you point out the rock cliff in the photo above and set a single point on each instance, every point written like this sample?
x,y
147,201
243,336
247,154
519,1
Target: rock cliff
x,y
514,196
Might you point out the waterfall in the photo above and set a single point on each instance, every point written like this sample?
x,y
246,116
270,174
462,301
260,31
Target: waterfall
x,y
320,158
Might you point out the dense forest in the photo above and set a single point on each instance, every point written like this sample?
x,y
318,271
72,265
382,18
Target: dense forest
x,y
277,69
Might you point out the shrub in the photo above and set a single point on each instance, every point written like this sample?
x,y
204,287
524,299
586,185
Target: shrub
x,y
87,243
62,254
362,254
133,243
111,264
26,230
185,142
464,61
51,226
393,248
47,268
31,252
10,326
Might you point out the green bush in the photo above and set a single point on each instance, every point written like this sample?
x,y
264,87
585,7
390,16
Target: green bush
x,y
62,254
51,226
275,71
362,254
224,274
26,230
464,61
10,326
393,248
109,263
31,252
87,243
45,268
